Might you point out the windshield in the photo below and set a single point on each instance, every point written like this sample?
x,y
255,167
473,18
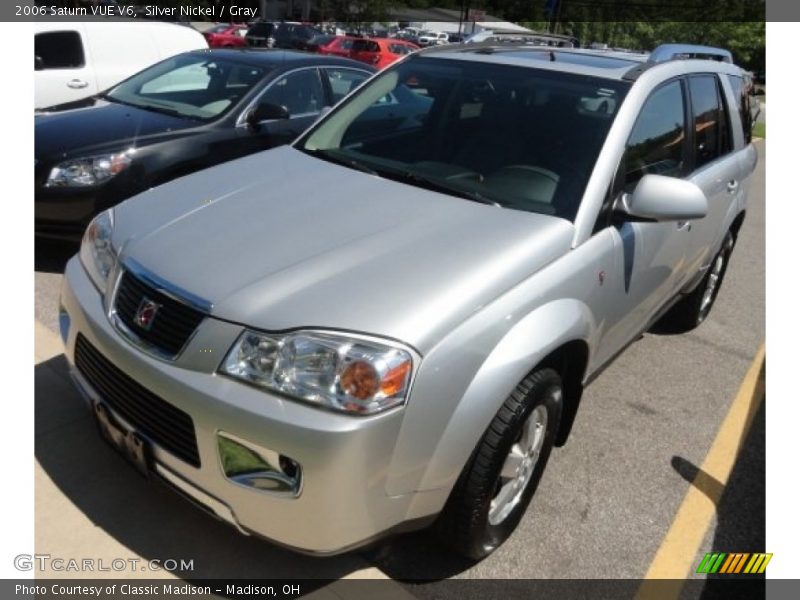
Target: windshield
x,y
192,86
517,137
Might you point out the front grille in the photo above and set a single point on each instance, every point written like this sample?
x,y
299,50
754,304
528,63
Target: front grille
x,y
173,324
167,426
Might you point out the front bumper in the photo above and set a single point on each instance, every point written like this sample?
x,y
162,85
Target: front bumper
x,y
65,213
345,460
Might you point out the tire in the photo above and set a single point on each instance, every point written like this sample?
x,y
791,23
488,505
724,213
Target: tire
x,y
484,506
692,310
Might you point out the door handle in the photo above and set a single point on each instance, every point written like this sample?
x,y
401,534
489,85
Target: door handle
x,y
684,225
733,185
77,84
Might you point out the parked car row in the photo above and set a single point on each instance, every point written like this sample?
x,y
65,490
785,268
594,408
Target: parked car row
x,y
377,51
285,34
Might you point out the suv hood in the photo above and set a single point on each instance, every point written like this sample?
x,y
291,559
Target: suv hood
x,y
281,240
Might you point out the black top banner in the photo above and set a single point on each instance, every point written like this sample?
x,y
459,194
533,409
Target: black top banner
x,y
369,11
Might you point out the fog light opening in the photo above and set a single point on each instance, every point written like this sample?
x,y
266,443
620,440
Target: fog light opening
x,y
254,466
288,466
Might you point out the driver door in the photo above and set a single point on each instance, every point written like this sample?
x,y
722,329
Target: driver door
x,y
651,256
302,94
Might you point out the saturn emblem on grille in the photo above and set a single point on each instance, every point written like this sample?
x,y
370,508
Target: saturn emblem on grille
x,y
146,313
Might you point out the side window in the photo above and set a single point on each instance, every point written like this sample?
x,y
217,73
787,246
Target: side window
x,y
742,95
59,50
300,92
242,77
344,81
712,137
657,143
365,46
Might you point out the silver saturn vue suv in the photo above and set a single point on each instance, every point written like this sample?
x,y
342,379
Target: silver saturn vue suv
x,y
389,323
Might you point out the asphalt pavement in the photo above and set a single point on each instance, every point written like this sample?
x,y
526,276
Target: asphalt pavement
x,y
606,499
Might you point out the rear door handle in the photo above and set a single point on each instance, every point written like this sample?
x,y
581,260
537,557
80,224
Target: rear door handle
x,y
77,84
733,185
684,225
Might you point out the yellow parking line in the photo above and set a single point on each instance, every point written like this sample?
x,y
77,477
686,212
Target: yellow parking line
x,y
676,555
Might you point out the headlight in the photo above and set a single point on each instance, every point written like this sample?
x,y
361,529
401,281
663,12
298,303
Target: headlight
x,y
97,253
337,372
92,170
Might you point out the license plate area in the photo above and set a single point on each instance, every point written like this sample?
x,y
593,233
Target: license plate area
x,y
127,442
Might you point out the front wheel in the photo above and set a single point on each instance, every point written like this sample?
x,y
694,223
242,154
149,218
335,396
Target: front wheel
x,y
498,482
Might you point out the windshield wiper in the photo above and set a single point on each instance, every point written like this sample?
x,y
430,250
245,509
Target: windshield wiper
x,y
341,160
167,111
438,185
151,107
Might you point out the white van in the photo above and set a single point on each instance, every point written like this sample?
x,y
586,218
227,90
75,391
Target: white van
x,y
77,60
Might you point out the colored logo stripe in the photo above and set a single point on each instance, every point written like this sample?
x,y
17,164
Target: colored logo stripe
x,y
758,564
733,563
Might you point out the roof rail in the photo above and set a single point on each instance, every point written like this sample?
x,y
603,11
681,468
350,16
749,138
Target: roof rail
x,y
667,52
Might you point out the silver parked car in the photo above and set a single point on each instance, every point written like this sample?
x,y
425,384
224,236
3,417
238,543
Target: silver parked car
x,y
390,322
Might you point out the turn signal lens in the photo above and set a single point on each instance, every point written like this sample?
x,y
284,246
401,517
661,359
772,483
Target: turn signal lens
x,y
395,379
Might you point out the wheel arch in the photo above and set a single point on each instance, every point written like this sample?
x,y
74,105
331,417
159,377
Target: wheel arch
x,y
737,224
570,361
555,335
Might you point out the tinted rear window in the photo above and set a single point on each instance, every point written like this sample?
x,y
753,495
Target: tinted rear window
x,y
741,91
365,46
59,49
322,40
711,132
261,29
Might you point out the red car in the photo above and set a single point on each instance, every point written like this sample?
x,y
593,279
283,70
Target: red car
x,y
380,52
226,35
337,45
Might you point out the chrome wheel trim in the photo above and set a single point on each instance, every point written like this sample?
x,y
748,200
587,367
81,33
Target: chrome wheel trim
x,y
520,463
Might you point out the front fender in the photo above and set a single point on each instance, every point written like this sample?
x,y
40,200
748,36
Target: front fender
x,y
436,441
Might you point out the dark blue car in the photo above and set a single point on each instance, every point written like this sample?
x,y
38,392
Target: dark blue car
x,y
181,115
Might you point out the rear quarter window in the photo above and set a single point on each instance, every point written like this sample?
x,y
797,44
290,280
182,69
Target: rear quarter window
x,y
741,93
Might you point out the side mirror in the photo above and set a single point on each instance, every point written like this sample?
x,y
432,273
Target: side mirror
x,y
38,63
266,112
661,198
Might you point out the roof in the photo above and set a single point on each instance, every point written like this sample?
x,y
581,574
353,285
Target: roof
x,y
611,65
614,64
